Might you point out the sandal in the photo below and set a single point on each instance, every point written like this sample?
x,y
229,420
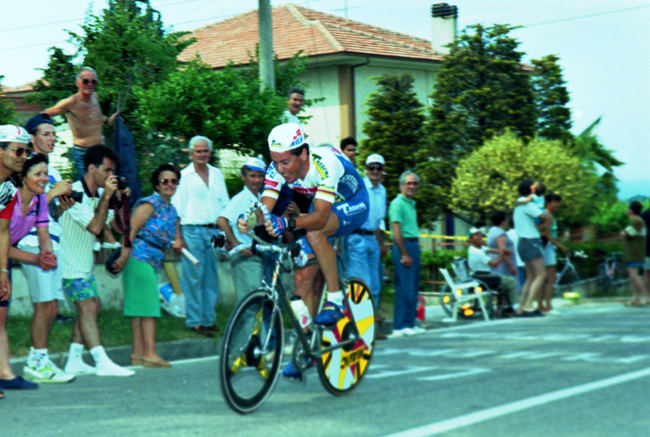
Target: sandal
x,y
633,303
2,395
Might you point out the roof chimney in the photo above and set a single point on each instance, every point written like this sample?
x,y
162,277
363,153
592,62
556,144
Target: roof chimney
x,y
445,19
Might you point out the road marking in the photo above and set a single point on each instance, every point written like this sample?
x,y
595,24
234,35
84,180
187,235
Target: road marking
x,y
493,413
195,360
407,371
468,372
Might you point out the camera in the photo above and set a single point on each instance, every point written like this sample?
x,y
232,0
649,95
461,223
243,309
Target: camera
x,y
77,196
121,184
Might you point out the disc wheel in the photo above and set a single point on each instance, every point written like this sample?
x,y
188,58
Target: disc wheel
x,y
248,370
342,370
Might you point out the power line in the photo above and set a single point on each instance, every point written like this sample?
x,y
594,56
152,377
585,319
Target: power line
x,y
33,45
587,16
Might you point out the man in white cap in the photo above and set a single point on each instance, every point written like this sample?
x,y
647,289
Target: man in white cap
x,y
365,247
340,206
45,286
247,267
13,154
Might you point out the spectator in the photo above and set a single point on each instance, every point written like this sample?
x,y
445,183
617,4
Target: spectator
x,y
405,256
482,265
365,247
295,100
248,267
349,149
199,200
45,285
634,236
646,271
155,227
529,247
13,148
84,115
521,271
552,204
81,223
498,239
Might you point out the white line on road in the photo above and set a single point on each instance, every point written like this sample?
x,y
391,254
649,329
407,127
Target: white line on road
x,y
493,413
468,372
407,371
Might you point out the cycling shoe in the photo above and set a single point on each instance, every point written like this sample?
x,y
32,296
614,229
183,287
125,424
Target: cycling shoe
x,y
330,314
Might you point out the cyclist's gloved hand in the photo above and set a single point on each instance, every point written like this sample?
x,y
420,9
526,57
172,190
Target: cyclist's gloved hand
x,y
242,225
277,225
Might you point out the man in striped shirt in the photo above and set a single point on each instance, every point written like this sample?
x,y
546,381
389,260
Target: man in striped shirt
x,y
81,224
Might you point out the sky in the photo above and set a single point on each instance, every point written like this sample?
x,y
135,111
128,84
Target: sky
x,y
603,45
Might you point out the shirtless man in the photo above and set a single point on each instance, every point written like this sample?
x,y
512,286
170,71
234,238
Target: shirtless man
x,y
84,116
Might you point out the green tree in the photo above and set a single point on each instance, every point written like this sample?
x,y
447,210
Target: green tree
x,y
487,179
481,90
221,104
129,47
551,97
58,80
394,128
7,113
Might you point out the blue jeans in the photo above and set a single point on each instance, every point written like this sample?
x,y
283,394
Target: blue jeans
x,y
521,278
362,253
202,282
407,285
77,154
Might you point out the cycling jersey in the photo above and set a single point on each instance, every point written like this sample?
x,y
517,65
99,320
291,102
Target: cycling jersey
x,y
331,177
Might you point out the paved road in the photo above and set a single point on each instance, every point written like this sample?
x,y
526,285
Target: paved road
x,y
583,373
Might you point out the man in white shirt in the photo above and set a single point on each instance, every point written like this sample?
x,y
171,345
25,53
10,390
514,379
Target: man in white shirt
x,y
479,265
199,200
45,286
81,224
247,267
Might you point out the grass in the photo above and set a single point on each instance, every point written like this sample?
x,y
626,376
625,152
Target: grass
x,y
114,330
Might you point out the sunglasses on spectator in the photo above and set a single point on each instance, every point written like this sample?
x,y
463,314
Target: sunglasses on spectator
x,y
93,82
412,184
166,182
375,167
19,151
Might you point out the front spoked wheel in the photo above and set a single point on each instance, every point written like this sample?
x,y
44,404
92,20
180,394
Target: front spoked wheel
x,y
569,281
251,352
342,370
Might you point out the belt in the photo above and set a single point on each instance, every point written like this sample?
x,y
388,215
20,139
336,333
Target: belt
x,y
210,226
412,239
363,232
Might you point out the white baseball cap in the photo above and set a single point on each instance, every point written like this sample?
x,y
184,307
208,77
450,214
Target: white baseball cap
x,y
375,159
473,231
286,137
14,134
255,164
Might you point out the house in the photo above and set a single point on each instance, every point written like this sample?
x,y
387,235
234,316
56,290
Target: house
x,y
344,56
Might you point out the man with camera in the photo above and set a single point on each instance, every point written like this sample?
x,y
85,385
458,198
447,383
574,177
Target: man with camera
x,y
81,224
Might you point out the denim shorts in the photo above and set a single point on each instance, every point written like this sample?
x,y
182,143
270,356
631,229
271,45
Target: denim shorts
x,y
530,249
635,265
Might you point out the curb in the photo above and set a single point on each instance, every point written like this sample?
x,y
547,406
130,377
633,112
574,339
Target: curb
x,y
121,355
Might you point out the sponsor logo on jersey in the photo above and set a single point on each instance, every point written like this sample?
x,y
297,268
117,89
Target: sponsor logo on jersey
x,y
351,182
348,209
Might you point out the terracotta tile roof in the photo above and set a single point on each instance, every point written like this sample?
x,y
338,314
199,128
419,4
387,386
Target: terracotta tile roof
x,y
296,28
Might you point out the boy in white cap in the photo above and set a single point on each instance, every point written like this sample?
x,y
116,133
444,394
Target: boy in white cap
x,y
248,267
340,206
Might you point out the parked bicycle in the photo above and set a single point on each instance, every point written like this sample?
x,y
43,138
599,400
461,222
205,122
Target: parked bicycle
x,y
610,272
568,278
251,352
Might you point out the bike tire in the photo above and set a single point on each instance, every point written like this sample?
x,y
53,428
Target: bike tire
x,y
246,380
570,280
342,370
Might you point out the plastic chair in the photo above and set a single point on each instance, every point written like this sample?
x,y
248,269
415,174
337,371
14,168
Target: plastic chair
x,y
462,296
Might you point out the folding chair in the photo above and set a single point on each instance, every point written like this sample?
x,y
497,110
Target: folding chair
x,y
462,295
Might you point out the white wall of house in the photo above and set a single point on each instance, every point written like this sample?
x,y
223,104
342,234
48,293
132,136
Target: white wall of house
x,y
325,124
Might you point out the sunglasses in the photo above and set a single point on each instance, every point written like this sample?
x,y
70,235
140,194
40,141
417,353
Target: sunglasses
x,y
166,182
412,184
19,151
375,167
93,82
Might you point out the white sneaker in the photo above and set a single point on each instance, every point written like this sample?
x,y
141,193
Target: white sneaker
x,y
78,367
111,369
115,245
48,373
397,333
97,246
419,330
408,332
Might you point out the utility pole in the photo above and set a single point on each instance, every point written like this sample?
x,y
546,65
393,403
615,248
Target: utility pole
x,y
267,69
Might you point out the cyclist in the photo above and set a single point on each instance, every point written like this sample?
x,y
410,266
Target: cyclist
x,y
339,207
